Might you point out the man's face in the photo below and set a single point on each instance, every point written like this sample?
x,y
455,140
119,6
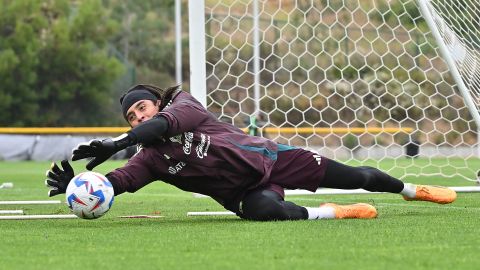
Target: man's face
x,y
142,111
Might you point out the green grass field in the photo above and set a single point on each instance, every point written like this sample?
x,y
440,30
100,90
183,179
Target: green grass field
x,y
406,235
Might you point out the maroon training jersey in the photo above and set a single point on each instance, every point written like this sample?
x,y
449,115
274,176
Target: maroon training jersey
x,y
200,154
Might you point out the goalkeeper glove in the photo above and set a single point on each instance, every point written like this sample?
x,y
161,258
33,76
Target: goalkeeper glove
x,y
58,179
101,150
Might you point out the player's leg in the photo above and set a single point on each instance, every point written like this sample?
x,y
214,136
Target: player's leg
x,y
302,169
341,176
268,205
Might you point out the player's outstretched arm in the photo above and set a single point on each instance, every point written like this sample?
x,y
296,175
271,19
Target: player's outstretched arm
x,y
148,132
101,150
58,179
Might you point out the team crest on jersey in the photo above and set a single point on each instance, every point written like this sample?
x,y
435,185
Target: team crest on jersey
x,y
176,139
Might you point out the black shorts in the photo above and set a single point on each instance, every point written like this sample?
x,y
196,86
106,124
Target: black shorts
x,y
296,169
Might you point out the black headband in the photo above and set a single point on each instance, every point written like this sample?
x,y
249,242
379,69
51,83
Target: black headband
x,y
136,95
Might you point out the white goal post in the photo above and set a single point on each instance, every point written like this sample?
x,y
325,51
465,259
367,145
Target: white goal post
x,y
461,53
393,84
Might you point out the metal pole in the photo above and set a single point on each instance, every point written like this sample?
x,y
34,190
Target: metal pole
x,y
178,41
425,8
198,70
256,59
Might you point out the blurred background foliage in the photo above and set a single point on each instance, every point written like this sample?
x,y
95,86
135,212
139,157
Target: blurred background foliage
x,y
65,62
55,67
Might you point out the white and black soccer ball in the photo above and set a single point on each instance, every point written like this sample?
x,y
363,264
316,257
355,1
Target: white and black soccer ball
x,y
89,195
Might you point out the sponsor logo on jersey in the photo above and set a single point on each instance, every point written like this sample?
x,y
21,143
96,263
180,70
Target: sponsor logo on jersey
x,y
202,147
175,169
187,147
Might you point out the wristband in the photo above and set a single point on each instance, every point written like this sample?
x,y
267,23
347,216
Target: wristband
x,y
123,141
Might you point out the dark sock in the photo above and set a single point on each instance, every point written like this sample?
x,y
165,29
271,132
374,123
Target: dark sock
x,y
342,176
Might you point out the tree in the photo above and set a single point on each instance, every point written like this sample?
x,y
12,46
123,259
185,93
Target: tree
x,y
55,69
146,38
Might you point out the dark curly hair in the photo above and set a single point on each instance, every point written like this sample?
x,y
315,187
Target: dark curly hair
x,y
165,95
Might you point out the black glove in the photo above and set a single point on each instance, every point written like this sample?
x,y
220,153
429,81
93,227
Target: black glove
x,y
98,150
57,180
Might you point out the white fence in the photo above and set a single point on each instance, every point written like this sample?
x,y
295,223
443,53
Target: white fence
x,y
57,147
44,147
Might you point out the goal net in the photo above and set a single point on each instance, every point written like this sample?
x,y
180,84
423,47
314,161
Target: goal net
x,y
366,82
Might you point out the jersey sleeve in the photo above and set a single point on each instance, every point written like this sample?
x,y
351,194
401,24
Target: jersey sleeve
x,y
133,176
184,114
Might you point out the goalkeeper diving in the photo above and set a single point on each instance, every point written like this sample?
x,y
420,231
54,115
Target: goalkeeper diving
x,y
184,145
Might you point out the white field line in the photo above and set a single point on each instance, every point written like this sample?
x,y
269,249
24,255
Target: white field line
x,y
141,216
346,200
6,185
332,191
429,206
328,191
3,212
415,205
28,202
19,217
382,205
219,213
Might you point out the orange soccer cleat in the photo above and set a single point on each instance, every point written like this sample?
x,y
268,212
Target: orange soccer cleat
x,y
358,210
436,194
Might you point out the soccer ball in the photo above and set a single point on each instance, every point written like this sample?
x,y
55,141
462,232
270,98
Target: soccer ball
x,y
89,195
